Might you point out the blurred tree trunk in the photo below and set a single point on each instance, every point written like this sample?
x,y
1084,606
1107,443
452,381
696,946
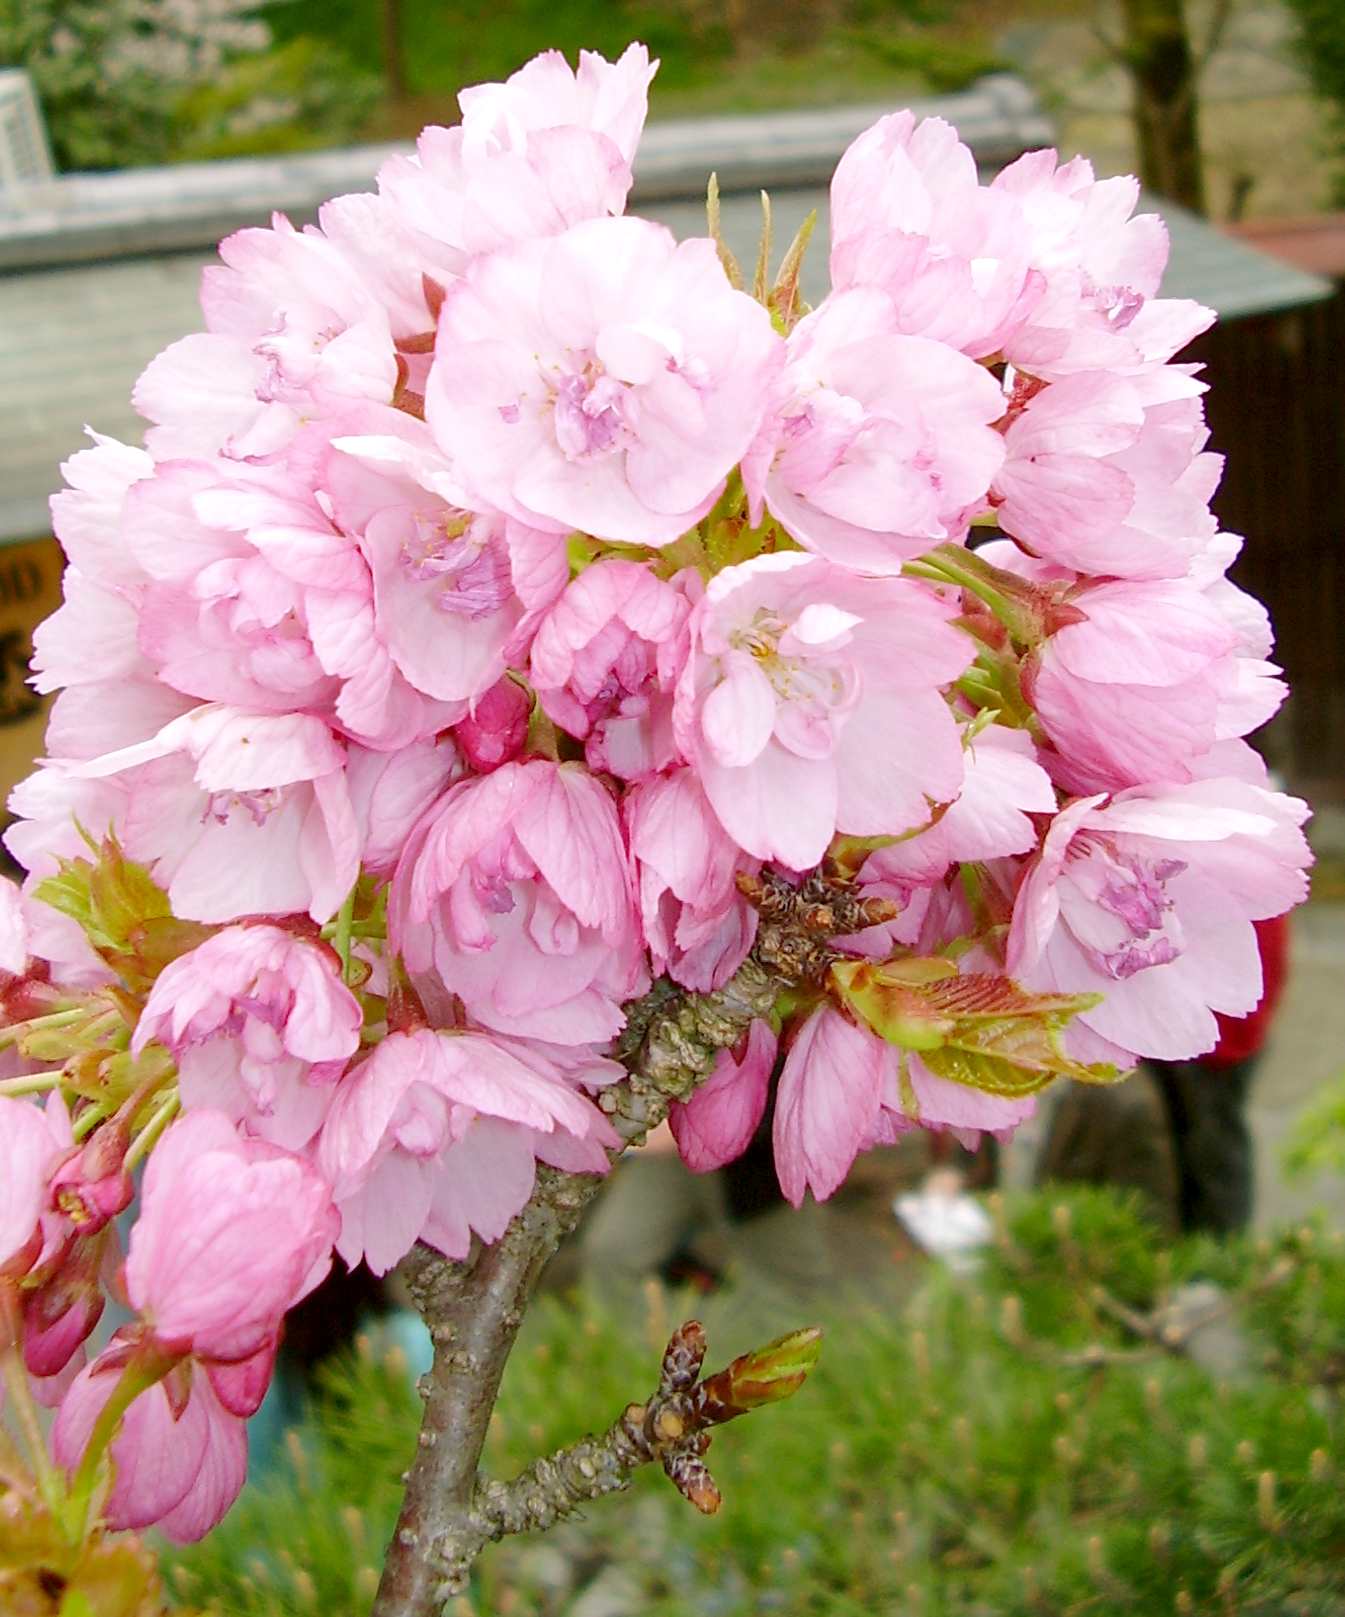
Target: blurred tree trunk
x,y
394,58
1164,73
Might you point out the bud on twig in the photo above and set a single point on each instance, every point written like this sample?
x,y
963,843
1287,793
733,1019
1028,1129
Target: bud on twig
x,y
768,1375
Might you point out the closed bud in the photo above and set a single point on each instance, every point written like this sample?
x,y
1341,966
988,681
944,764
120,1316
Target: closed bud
x,y
768,1375
92,1185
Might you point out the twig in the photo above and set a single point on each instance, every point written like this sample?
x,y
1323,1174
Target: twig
x,y
674,1428
474,1308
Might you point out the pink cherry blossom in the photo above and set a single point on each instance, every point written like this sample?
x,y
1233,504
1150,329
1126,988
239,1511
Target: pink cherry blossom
x,y
515,889
389,791
828,1103
1101,268
32,1149
86,514
1149,681
909,216
607,379
13,929
93,1184
231,1234
608,97
179,1458
436,1135
260,1023
1003,786
718,1122
796,666
296,332
496,731
604,662
544,150
1106,473
456,590
240,813
882,446
696,923
842,1089
257,599
1148,899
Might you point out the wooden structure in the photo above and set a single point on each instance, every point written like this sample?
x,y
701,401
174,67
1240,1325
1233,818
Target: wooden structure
x,y
1277,411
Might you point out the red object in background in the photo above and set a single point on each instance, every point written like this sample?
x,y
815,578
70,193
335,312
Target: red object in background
x,y
1241,1037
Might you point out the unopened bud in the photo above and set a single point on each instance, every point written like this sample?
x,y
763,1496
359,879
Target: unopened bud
x,y
765,1376
92,1185
494,734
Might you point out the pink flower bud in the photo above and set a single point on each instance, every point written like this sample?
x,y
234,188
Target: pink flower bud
x,y
92,1185
495,733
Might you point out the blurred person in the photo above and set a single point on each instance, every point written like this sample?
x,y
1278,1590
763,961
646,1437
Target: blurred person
x,y
1206,1100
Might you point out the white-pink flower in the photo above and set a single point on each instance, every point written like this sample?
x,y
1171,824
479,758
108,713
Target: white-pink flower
x,y
1107,473
241,813
606,379
544,150
718,1122
179,1458
910,216
456,590
296,332
1145,685
1003,786
1148,899
35,1139
843,1089
515,890
882,444
796,667
1101,267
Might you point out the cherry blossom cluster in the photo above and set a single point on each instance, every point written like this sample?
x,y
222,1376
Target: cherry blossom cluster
x,y
503,592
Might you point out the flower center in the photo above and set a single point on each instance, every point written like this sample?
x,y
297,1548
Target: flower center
x,y
257,805
468,554
590,414
1118,907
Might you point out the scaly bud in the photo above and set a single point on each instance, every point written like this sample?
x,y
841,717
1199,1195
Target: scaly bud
x,y
767,1375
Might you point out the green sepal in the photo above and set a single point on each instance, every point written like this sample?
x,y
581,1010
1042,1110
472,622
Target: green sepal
x,y
783,301
727,260
123,912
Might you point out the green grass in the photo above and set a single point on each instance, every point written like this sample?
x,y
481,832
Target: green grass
x,y
939,1463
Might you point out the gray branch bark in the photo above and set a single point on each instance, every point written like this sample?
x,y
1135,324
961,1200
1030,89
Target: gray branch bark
x,y
474,1308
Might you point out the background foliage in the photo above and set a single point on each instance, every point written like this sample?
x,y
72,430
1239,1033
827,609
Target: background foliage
x,y
1007,1449
124,82
1321,48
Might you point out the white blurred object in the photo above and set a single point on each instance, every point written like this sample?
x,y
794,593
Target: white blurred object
x,y
945,1221
25,158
